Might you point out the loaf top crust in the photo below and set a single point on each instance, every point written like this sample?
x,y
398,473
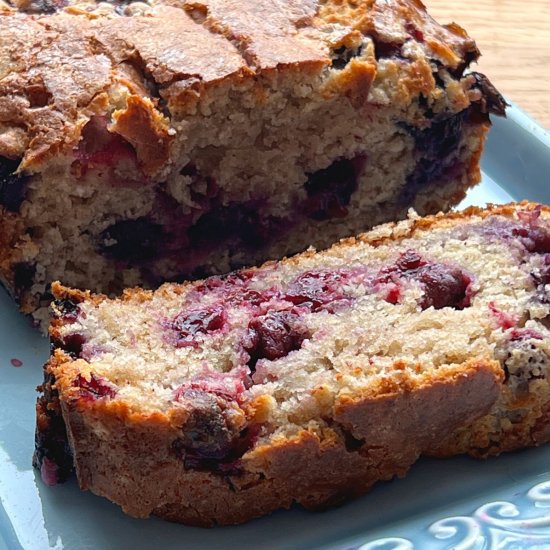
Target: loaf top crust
x,y
148,66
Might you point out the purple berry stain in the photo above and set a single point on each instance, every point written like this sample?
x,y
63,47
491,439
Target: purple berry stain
x,y
275,335
229,385
329,190
95,388
503,319
528,232
522,334
13,186
316,290
443,285
190,324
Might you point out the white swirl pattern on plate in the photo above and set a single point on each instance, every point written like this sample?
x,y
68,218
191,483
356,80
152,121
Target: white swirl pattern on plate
x,y
494,526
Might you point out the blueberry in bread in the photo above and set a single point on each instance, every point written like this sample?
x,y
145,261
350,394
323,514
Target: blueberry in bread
x,y
305,380
161,141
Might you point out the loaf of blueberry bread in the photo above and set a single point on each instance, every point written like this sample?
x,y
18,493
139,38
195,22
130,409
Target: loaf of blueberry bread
x,y
305,380
175,139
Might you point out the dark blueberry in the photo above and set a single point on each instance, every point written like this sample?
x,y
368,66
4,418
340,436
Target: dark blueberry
x,y
329,190
275,335
342,56
190,324
434,147
316,289
23,277
206,434
441,138
13,186
132,240
208,442
236,221
67,309
52,455
386,50
444,286
95,388
71,343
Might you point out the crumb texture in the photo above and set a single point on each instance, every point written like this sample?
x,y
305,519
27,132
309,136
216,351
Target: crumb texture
x,y
143,142
305,380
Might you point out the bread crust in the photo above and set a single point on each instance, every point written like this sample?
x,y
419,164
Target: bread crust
x,y
112,447
61,66
177,118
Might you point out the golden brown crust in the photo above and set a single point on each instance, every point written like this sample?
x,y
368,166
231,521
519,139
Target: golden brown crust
x,y
147,131
59,66
391,22
315,468
390,415
51,80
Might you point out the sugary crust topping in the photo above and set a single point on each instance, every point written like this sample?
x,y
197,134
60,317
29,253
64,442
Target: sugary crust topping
x,y
62,62
270,35
51,81
171,46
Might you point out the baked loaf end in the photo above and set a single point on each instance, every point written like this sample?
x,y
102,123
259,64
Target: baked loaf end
x,y
141,143
305,380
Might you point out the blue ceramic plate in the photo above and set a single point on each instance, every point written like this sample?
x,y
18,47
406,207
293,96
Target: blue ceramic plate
x,y
461,504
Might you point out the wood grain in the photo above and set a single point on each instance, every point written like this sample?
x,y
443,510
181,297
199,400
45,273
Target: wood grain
x,y
514,39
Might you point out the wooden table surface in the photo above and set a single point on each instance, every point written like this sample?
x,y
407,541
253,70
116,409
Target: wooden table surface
x,y
514,39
